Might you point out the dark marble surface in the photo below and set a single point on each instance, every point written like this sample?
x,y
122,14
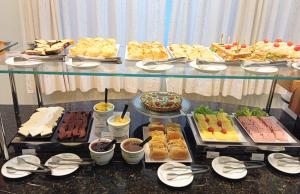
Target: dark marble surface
x,y
119,177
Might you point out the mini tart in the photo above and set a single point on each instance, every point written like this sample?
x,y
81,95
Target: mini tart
x,y
161,101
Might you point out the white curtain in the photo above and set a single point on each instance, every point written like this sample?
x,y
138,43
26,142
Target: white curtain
x,y
123,20
203,22
194,21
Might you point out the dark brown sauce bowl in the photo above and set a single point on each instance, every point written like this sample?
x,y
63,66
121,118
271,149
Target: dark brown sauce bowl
x,y
132,157
101,158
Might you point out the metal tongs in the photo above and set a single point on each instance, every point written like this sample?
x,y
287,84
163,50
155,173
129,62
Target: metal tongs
x,y
39,58
171,60
248,165
228,62
108,60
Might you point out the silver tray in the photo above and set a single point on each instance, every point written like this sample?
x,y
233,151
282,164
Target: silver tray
x,y
185,106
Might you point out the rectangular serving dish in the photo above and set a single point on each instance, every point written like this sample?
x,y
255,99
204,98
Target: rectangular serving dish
x,y
148,159
127,59
94,58
240,135
74,139
290,140
45,137
217,58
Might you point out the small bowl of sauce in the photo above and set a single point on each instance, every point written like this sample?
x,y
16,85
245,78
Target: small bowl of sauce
x,y
132,153
98,153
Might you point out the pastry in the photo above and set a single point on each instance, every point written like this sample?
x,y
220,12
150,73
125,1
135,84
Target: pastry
x,y
146,51
232,51
156,126
192,52
48,47
170,144
161,101
95,47
177,149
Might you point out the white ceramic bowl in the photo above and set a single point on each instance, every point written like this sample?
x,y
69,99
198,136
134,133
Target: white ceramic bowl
x,y
104,113
102,158
132,157
119,131
100,118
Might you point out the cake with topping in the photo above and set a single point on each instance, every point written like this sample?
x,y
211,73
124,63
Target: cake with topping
x,y
161,101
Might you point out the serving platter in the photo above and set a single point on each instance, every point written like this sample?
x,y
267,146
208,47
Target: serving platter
x,y
185,106
148,159
93,58
40,137
236,128
128,59
290,140
73,139
217,58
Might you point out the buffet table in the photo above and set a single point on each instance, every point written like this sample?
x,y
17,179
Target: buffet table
x,y
119,177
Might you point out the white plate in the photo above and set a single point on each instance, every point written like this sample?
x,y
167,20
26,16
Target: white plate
x,y
148,159
210,68
82,65
28,64
290,169
180,181
62,170
154,68
13,163
296,65
234,174
240,135
261,70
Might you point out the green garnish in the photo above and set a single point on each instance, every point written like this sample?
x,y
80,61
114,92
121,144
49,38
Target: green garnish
x,y
205,110
245,111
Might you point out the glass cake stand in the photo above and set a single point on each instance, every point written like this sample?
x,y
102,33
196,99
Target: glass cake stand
x,y
137,103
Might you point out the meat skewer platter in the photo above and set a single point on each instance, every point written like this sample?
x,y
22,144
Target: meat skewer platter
x,y
263,128
74,127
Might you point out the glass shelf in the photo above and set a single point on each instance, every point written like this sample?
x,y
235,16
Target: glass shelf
x,y
129,69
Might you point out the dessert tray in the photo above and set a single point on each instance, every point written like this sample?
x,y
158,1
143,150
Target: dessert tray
x,y
138,104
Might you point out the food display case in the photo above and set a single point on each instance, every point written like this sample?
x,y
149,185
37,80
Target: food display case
x,y
206,135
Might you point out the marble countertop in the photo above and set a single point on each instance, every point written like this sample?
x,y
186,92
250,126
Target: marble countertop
x,y
119,177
